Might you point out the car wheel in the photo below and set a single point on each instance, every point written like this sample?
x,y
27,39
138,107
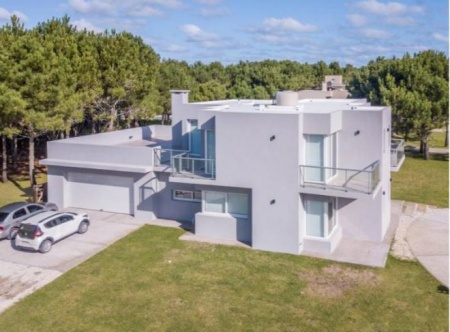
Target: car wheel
x,y
45,246
83,227
12,233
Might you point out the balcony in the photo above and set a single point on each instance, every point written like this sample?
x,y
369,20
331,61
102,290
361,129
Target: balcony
x,y
181,164
353,181
397,154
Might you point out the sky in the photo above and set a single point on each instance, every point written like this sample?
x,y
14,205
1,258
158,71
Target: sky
x,y
349,32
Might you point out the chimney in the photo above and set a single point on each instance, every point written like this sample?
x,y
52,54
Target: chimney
x,y
179,97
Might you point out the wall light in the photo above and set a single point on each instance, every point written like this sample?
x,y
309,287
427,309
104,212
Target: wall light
x,y
272,202
130,137
357,133
272,138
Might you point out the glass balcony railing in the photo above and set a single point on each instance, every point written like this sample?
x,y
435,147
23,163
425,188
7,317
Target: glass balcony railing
x,y
184,165
397,151
343,179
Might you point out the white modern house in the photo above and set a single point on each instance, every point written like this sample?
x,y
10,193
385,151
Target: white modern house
x,y
287,175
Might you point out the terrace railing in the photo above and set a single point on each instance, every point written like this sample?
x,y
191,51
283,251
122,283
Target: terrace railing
x,y
397,151
344,179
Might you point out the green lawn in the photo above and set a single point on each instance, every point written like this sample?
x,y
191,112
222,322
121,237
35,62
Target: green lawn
x,y
437,140
151,281
422,181
17,189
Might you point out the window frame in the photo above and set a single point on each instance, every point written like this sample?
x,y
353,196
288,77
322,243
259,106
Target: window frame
x,y
226,207
192,195
326,217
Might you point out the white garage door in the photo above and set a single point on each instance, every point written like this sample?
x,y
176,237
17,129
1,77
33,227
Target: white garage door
x,y
100,192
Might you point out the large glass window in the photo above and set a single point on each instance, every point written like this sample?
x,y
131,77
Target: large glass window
x,y
215,202
231,203
195,138
320,217
187,195
314,158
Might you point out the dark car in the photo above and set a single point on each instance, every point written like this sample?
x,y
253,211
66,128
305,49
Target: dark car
x,y
13,214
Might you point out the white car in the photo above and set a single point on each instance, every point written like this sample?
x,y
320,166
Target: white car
x,y
41,231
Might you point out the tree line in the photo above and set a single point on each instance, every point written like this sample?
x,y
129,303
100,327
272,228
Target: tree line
x,y
57,81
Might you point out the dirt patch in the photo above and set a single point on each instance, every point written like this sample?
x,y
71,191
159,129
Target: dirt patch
x,y
10,287
334,281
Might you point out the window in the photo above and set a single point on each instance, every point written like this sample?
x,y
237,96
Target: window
x,y
19,213
187,195
230,203
34,208
320,217
64,219
195,138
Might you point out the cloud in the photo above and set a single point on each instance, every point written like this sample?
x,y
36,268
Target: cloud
x,y
173,4
84,24
174,48
357,20
376,34
388,8
440,37
209,2
287,24
214,12
5,15
91,6
197,35
400,20
144,11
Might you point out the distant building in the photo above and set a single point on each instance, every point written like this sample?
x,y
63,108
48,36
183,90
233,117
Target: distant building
x,y
332,88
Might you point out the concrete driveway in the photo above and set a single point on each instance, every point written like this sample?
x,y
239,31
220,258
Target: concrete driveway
x,y
22,272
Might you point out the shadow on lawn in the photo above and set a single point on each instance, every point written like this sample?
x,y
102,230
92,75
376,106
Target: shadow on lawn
x,y
27,194
433,156
442,289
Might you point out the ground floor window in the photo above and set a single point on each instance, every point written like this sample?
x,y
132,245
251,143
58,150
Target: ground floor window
x,y
320,217
187,195
230,203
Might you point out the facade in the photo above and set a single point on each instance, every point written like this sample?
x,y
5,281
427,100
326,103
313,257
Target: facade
x,y
332,87
292,176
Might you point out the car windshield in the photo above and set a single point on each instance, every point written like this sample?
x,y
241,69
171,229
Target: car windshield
x,y
3,216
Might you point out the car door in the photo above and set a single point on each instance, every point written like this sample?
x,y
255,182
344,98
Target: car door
x,y
52,229
18,216
67,225
34,208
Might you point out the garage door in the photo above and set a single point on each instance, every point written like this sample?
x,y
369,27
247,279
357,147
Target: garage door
x,y
100,192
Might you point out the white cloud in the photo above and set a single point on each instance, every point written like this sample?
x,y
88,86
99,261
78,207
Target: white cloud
x,y
400,20
388,8
375,33
144,11
440,37
209,2
91,6
84,24
195,34
173,4
174,48
214,12
287,24
357,20
5,15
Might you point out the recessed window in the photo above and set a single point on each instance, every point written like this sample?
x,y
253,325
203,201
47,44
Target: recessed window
x,y
187,195
234,204
320,217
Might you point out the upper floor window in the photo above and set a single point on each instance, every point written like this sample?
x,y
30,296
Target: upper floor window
x,y
195,137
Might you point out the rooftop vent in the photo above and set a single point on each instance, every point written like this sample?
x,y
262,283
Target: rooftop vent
x,y
287,98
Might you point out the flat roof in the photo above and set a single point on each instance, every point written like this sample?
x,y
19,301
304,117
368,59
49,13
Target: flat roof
x,y
302,106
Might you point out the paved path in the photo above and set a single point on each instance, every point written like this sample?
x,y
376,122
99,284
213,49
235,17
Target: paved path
x,y
431,150
423,234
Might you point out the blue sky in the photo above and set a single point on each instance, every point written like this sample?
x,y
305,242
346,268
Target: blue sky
x,y
353,31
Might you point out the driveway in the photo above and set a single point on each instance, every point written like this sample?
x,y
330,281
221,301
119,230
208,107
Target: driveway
x,y
22,272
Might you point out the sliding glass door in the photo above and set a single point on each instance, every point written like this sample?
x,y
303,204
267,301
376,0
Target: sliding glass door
x,y
314,158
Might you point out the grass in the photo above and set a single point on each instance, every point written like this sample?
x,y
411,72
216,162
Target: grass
x,y
422,181
18,189
437,140
151,281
